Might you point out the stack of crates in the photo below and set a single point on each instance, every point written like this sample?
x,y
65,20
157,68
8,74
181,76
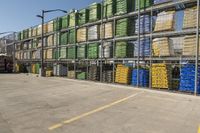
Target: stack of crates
x,y
71,74
59,70
81,75
125,27
93,74
93,32
161,76
109,8
142,79
50,26
123,74
83,16
144,50
145,24
63,53
189,45
73,19
72,36
81,35
57,24
49,73
162,47
64,22
94,12
107,50
190,18
187,78
71,52
64,38
123,49
107,75
56,53
143,4
106,30
160,1
81,51
35,68
123,6
93,51
165,21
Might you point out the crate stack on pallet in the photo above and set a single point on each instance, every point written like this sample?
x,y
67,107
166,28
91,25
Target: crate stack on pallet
x,y
143,4
107,75
162,47
106,30
189,45
160,1
107,50
62,53
123,49
161,76
144,47
71,74
93,32
71,52
165,21
142,79
81,75
123,6
93,73
187,78
82,35
94,12
125,27
123,74
82,51
93,51
59,70
145,24
83,16
190,18
109,8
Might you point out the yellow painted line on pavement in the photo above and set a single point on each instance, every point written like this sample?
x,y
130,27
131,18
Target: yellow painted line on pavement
x,y
92,112
199,129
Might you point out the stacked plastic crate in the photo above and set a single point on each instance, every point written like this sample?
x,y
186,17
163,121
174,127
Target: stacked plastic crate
x,y
187,78
81,51
57,24
71,74
145,24
125,27
93,51
142,79
143,4
123,74
162,47
165,21
107,50
64,22
63,53
94,12
106,30
161,76
73,19
144,47
59,70
83,16
93,32
160,1
107,75
81,75
123,6
189,45
190,18
109,8
71,52
64,38
82,34
94,73
123,49
72,37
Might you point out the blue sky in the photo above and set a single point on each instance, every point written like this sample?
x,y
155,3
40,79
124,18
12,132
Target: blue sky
x,y
17,15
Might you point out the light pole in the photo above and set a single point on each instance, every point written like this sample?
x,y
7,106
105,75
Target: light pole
x,y
42,35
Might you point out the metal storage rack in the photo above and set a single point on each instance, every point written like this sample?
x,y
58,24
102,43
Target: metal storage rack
x,y
113,61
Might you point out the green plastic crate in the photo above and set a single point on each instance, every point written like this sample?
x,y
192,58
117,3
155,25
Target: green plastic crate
x,y
73,19
55,53
143,4
82,52
123,6
83,16
57,24
123,49
125,27
63,53
94,12
109,8
72,37
71,52
81,75
93,51
64,38
19,36
37,68
64,22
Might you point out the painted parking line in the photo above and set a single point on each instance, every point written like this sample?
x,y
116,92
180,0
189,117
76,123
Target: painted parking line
x,y
59,125
199,129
